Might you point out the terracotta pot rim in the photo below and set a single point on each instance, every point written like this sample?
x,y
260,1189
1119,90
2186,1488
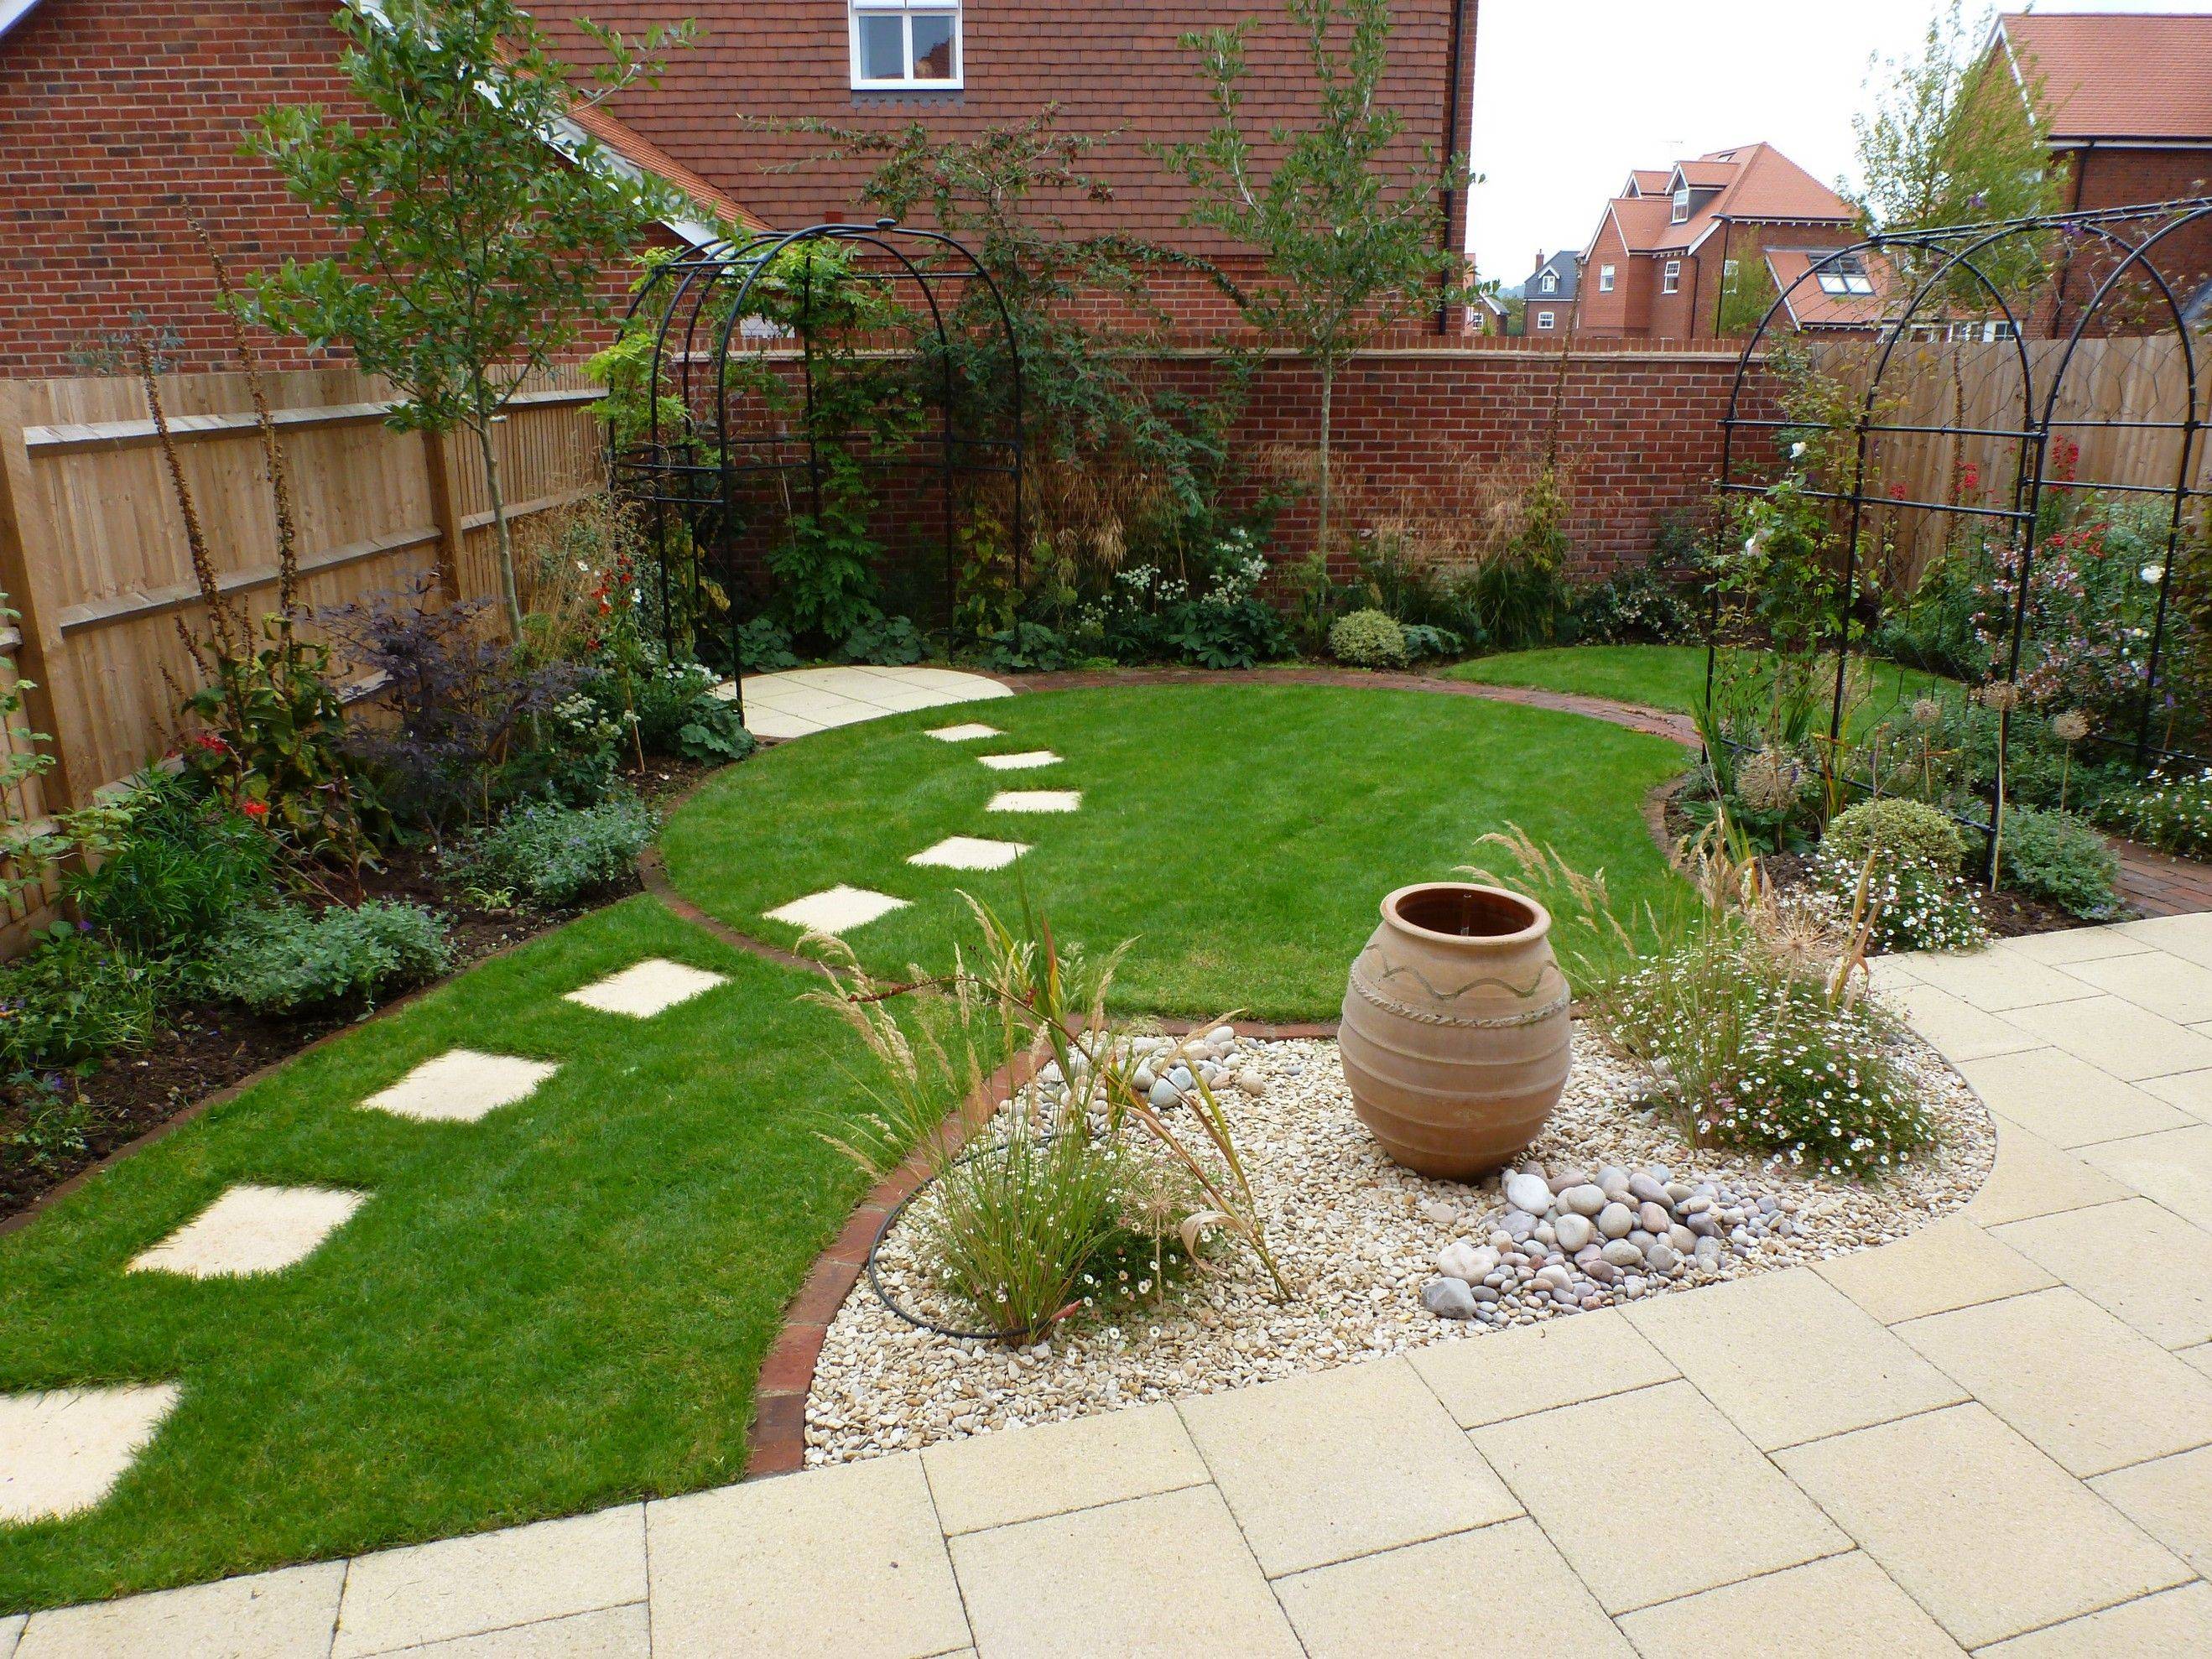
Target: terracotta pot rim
x,y
1540,925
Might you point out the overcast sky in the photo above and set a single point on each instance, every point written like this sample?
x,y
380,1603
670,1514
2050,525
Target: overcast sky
x,y
1570,94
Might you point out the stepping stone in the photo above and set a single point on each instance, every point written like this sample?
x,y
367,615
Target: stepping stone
x,y
836,909
967,733
646,988
1023,763
63,1450
1035,800
970,853
251,1230
461,1085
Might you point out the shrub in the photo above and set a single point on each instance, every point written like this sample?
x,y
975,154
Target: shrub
x,y
1367,639
2058,856
2172,814
1635,606
1424,640
888,641
764,646
1895,831
183,864
1212,633
72,998
1915,906
554,856
290,958
680,712
1024,648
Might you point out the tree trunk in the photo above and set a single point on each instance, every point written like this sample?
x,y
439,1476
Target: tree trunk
x,y
1327,412
502,533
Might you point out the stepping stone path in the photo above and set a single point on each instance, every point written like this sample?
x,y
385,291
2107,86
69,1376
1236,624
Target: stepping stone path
x,y
1023,763
968,733
251,1230
646,988
970,853
461,1085
1035,800
801,701
63,1450
836,909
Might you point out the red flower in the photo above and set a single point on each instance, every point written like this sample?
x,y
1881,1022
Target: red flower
x,y
1897,492
256,810
1970,477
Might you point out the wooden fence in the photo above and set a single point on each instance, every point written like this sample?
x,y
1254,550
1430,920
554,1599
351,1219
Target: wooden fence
x,y
93,554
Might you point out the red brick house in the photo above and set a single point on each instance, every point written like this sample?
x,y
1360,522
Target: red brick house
x,y
112,115
1666,247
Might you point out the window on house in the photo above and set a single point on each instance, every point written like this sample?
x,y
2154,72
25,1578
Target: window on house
x,y
906,43
1845,274
1551,282
1670,277
1544,320
1682,205
1727,269
1605,279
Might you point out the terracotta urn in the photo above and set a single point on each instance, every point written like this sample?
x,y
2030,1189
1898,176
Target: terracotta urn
x,y
1456,1028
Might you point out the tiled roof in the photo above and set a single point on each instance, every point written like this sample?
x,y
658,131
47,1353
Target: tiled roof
x,y
1755,182
1810,305
640,151
2118,75
1652,181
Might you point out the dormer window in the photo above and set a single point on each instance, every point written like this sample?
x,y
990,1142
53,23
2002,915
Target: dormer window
x,y
1551,282
1681,205
900,45
1846,273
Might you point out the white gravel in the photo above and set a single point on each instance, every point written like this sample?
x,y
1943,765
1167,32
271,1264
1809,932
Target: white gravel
x,y
1358,1238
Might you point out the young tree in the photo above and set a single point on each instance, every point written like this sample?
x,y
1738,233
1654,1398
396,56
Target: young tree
x,y
1349,239
476,254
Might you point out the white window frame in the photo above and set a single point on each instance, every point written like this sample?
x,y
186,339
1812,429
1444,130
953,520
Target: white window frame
x,y
907,11
1605,279
1670,277
1551,282
1681,206
1545,322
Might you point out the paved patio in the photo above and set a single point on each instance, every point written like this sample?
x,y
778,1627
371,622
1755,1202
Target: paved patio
x,y
801,701
1994,1435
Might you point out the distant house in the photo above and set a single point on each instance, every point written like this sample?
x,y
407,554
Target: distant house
x,y
1547,297
1673,246
1488,314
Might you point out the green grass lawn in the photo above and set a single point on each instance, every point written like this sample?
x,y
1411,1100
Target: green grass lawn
x,y
1671,676
1243,835
558,1307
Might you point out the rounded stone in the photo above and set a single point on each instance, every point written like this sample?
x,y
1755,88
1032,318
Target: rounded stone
x,y
1448,1298
1653,1217
1615,1221
1466,1261
1621,1254
1646,1189
1681,1238
1530,1192
1573,1231
1660,1257
1586,1199
1164,1094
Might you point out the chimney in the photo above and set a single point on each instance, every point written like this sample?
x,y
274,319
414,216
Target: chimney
x,y
1538,265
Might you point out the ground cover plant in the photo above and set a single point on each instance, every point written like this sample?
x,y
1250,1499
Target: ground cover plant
x,y
1241,834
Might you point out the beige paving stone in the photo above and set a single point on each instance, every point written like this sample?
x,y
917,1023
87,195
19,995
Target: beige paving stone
x,y
970,853
2200,1356
251,1230
1961,1031
2175,1168
1342,1462
1568,1466
836,909
1163,1575
2113,1034
63,1450
1980,1528
1839,1608
1950,1263
967,731
2137,1259
2073,944
2170,1498
2031,1177
2189,936
610,1633
2168,986
462,1085
11,1629
1031,760
2068,1102
2175,1624
491,1581
846,1560
1401,1601
2190,1090
1788,1356
269,1615
1020,1474
767,723
2086,1389
1034,800
1993,979
646,988
1562,1362
1892,973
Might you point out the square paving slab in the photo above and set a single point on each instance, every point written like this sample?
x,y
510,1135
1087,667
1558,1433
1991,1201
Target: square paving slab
x,y
968,733
1844,1608
836,909
1036,800
2170,1498
461,1085
970,853
1948,1264
2175,1168
1027,761
268,1615
646,988
2175,1621
2032,1177
1564,1361
2110,1033
251,1230
2137,1260
63,1450
1023,1475
2068,1102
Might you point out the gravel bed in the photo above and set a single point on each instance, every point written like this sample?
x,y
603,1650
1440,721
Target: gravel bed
x,y
1360,1240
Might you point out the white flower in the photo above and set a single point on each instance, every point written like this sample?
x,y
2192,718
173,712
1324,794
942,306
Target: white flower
x,y
2153,574
1797,451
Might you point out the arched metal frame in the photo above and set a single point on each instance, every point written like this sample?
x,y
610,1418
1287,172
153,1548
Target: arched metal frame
x,y
1941,262
688,468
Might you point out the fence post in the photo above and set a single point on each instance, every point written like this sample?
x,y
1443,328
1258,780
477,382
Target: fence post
x,y
438,463
40,657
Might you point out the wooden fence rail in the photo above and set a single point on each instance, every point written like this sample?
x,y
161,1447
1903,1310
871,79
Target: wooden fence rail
x,y
93,559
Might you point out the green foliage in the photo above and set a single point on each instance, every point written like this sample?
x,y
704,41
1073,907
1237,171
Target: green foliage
x,y
1913,906
1023,647
679,712
1424,641
2058,856
474,257
1642,605
1895,831
1367,639
765,645
1519,593
555,855
1747,293
27,850
2173,814
289,958
73,998
888,641
183,864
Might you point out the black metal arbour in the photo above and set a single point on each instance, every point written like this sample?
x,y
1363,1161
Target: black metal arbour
x,y
2115,270
687,469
